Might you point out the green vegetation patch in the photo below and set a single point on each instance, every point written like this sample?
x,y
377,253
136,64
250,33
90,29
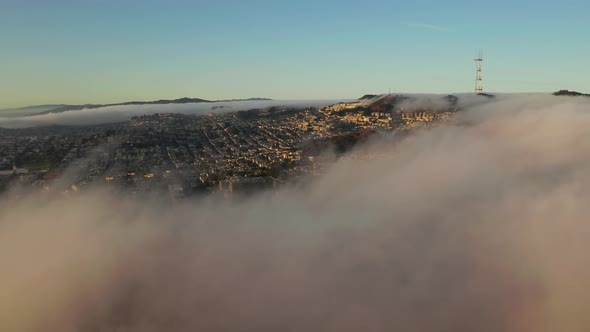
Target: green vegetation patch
x,y
38,166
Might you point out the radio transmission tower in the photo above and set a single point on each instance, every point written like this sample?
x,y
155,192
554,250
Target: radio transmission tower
x,y
478,77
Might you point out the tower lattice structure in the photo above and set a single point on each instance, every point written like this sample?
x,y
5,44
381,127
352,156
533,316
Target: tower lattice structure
x,y
478,76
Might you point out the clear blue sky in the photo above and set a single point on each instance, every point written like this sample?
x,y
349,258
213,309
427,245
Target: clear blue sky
x,y
98,51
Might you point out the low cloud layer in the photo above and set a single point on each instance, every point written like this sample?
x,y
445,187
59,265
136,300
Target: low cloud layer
x,y
125,112
480,225
438,102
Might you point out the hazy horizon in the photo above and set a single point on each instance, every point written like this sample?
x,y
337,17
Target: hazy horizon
x,y
120,113
326,99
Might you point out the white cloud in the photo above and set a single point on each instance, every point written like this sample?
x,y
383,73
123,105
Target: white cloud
x,y
426,26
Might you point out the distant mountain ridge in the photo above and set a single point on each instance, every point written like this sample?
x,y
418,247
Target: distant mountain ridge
x,y
570,93
32,107
27,110
184,100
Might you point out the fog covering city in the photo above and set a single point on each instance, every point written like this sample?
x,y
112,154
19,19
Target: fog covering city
x,y
479,224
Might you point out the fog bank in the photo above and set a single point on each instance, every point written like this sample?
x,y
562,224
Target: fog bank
x,y
479,225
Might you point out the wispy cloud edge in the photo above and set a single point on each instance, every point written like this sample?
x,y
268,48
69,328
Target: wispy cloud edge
x,y
426,26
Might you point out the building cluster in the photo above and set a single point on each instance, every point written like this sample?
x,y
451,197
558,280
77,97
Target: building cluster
x,y
183,155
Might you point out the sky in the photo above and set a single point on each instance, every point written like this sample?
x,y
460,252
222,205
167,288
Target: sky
x,y
106,51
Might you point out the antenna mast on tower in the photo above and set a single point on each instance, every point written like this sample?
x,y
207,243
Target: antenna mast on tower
x,y
478,77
